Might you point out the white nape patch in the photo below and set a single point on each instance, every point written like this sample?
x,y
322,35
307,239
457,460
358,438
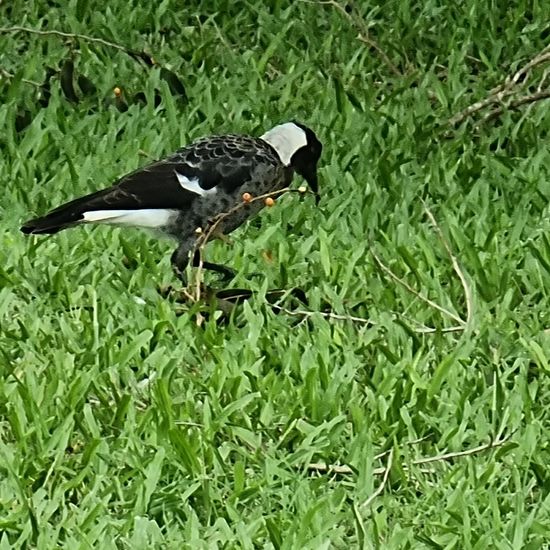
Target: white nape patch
x,y
192,184
144,217
286,139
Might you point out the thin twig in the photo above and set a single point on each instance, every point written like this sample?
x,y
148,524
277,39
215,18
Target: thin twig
x,y
363,31
73,36
326,315
448,456
456,267
135,54
524,100
347,470
434,330
410,289
188,423
522,72
478,106
423,329
204,236
380,487
321,467
506,88
194,293
410,443
8,75
542,83
343,469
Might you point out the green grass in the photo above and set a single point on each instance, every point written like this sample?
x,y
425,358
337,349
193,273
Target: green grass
x,y
125,425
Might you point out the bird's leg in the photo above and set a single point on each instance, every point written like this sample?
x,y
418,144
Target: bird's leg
x,y
180,259
227,272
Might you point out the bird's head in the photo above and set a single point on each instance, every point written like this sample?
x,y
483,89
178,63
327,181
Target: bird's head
x,y
297,147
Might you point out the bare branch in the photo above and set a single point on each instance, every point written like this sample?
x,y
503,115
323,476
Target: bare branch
x,y
188,423
410,443
9,76
457,269
343,469
363,31
505,89
468,297
468,452
380,488
326,315
347,470
520,74
544,78
421,329
410,289
524,100
478,106
194,292
204,236
135,54
323,468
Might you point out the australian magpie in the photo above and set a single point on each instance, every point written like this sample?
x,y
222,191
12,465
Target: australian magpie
x,y
186,190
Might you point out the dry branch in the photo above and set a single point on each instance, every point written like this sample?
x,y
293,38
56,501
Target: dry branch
x,y
323,468
134,54
343,469
468,297
423,329
380,488
420,329
204,236
362,28
457,269
509,87
327,315
194,292
458,454
414,292
9,76
523,100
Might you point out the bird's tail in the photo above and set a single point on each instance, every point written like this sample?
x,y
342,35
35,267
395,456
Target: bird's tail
x,y
63,216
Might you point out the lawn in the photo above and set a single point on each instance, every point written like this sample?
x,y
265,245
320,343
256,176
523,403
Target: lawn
x,y
405,405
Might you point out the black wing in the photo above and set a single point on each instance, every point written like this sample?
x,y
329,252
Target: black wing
x,y
225,161
222,161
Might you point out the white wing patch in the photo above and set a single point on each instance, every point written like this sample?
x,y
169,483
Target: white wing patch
x,y
192,185
286,139
144,217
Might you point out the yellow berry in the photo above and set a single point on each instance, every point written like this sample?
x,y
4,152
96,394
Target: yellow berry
x,y
117,91
269,201
247,197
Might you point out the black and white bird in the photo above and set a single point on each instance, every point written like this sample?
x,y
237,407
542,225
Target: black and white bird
x,y
187,189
